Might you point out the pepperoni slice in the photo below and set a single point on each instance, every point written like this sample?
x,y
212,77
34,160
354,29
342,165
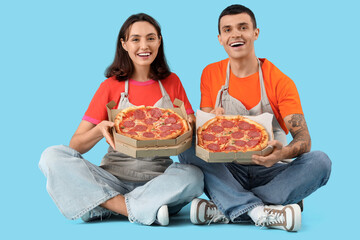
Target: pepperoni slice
x,y
155,113
224,139
240,143
129,124
217,129
140,128
170,120
139,114
165,128
176,126
254,134
245,125
230,148
213,146
237,135
150,121
208,137
227,124
148,134
252,143
132,133
164,134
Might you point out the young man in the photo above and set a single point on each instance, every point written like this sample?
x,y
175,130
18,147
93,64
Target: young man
x,y
267,191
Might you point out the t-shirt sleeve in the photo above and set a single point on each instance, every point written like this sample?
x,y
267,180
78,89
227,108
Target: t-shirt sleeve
x,y
96,111
206,100
288,98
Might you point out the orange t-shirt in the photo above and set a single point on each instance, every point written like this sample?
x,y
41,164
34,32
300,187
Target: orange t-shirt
x,y
140,93
280,89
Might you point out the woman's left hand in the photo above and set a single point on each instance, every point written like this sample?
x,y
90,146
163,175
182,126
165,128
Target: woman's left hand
x,y
192,120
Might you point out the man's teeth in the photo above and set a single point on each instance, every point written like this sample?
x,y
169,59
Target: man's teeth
x,y
144,54
236,44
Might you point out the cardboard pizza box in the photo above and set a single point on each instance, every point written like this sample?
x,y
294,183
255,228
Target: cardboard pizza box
x,y
151,148
153,151
264,119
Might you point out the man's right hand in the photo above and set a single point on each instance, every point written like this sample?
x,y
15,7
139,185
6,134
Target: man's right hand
x,y
218,111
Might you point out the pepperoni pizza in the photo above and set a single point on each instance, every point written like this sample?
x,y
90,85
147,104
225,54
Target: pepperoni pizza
x,y
232,134
150,123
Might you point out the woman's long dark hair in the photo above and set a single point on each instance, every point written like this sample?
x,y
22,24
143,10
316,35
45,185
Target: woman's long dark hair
x,y
123,67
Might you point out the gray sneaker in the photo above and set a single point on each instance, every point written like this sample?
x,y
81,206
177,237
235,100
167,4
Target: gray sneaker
x,y
205,212
98,213
281,217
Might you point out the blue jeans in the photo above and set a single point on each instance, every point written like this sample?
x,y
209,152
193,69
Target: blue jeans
x,y
236,189
77,186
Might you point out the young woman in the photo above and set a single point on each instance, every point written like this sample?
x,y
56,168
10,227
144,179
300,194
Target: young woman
x,y
146,190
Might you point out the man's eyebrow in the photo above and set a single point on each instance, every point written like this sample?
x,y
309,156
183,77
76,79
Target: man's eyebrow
x,y
239,24
226,26
243,23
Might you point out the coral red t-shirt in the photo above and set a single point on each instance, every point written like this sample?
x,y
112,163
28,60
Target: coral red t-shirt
x,y
280,89
140,93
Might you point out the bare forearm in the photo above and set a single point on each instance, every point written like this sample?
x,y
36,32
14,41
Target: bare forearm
x,y
301,142
83,142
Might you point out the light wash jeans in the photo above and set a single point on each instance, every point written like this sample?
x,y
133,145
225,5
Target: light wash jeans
x,y
236,189
77,186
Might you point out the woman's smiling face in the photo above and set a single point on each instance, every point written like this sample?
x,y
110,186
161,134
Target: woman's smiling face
x,y
142,43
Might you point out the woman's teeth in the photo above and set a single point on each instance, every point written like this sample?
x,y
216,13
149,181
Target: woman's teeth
x,y
144,54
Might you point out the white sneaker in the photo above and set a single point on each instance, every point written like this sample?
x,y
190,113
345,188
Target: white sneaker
x,y
281,217
203,211
162,216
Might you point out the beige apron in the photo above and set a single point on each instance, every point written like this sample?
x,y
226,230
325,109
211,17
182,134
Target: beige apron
x,y
136,169
232,106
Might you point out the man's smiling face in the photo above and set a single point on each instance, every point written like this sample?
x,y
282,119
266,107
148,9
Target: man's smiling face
x,y
237,35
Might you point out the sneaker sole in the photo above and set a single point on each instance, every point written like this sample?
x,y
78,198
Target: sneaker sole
x,y
164,215
297,221
193,212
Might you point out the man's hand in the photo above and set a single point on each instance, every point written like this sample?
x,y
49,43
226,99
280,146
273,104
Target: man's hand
x,y
300,144
218,111
275,156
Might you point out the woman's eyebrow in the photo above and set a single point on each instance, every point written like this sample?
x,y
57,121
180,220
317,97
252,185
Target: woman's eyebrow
x,y
137,35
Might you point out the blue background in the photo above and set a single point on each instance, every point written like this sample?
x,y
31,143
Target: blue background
x,y
52,58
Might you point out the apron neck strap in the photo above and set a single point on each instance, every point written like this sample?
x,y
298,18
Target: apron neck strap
x,y
162,89
126,88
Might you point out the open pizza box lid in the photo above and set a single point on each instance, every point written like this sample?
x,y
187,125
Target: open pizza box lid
x,y
150,148
264,119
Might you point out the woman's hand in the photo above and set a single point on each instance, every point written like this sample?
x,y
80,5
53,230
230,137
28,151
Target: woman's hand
x,y
105,129
192,120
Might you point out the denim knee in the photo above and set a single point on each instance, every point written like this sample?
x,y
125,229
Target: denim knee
x,y
323,164
193,177
51,157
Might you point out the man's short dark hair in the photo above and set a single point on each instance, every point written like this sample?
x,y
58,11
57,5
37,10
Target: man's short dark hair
x,y
237,9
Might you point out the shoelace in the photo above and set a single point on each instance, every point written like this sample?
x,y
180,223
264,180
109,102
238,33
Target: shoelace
x,y
270,218
102,214
215,215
